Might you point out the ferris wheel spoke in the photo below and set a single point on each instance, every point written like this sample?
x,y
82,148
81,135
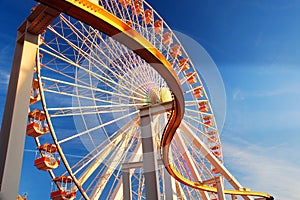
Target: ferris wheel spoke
x,y
55,54
116,182
191,103
87,37
86,88
177,159
127,14
117,156
102,150
59,55
80,96
197,130
88,110
130,60
194,114
198,158
84,113
112,42
193,111
64,88
97,127
99,159
65,74
127,82
187,157
192,153
135,155
114,8
200,122
106,5
84,97
106,170
117,192
105,81
104,108
138,183
88,57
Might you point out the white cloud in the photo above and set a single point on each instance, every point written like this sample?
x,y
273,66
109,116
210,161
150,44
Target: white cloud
x,y
268,169
239,95
4,77
275,92
6,54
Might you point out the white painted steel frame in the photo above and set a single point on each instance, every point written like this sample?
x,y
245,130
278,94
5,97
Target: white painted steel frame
x,y
12,136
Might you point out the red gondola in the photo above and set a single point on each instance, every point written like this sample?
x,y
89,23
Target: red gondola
x,y
207,117
129,22
125,3
148,17
34,98
217,153
212,132
47,159
203,109
198,92
184,64
175,51
34,129
63,189
37,115
215,171
36,126
202,103
212,139
137,8
191,79
207,124
167,39
158,28
215,147
46,163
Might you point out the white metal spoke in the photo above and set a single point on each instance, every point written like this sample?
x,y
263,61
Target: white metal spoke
x,y
89,88
72,111
112,140
98,61
97,127
113,162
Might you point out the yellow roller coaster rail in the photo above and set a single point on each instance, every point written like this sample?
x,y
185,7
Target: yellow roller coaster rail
x,y
99,18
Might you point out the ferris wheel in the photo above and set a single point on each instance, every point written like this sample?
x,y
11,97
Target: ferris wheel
x,y
116,104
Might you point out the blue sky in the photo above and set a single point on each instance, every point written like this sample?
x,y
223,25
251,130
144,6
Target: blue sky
x,y
255,45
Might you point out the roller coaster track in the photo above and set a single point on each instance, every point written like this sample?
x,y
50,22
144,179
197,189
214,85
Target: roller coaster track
x,y
101,19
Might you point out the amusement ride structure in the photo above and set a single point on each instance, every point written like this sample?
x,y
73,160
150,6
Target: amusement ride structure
x,y
116,107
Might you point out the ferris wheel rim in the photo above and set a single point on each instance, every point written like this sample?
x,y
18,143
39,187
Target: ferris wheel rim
x,y
179,113
53,135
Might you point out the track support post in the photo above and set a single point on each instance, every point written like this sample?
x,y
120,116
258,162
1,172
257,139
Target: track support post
x,y
149,155
12,136
126,177
220,187
150,160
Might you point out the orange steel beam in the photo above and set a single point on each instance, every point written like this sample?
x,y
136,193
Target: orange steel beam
x,y
97,17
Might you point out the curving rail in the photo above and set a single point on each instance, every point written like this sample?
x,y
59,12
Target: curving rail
x,y
101,19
